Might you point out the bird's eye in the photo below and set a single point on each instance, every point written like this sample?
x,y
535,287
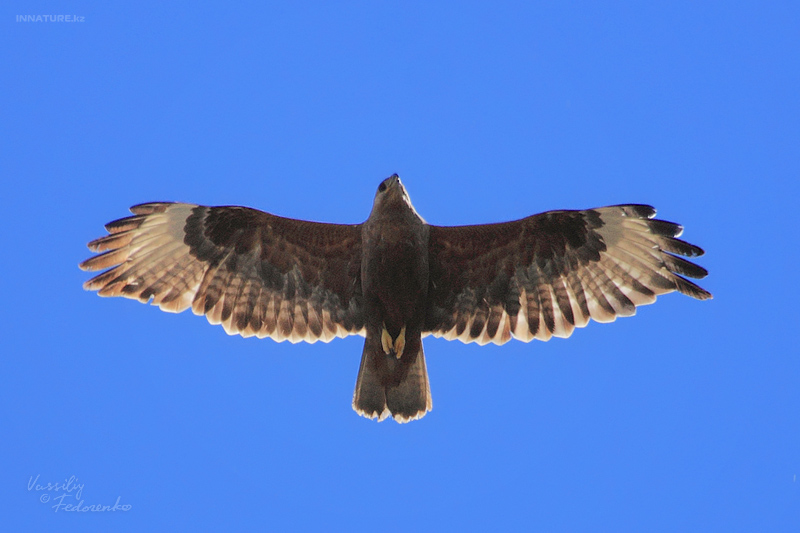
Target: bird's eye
x,y
382,187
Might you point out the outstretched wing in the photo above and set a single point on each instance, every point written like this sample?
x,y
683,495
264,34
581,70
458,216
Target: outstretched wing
x,y
547,274
254,273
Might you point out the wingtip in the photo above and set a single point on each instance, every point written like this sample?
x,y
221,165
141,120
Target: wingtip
x,y
149,208
688,288
642,210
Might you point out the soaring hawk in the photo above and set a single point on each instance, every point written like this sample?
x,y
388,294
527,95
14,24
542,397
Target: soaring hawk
x,y
394,279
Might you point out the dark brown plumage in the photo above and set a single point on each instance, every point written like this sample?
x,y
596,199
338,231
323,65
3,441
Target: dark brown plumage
x,y
394,279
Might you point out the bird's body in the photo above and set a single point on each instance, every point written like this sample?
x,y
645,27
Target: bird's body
x,y
394,279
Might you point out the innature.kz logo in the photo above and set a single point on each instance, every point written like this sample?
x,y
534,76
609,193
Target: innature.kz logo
x,y
50,18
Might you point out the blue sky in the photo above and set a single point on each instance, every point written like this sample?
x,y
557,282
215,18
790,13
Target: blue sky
x,y
683,417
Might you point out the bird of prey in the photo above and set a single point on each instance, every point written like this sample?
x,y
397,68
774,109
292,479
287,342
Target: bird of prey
x,y
394,279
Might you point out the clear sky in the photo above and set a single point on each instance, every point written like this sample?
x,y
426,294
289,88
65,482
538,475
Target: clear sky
x,y
685,417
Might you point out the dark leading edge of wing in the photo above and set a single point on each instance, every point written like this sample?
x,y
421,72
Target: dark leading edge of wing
x,y
547,274
254,273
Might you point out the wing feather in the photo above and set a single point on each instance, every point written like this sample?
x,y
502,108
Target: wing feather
x,y
548,274
254,273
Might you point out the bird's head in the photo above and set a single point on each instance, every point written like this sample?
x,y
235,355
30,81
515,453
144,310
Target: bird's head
x,y
391,195
390,187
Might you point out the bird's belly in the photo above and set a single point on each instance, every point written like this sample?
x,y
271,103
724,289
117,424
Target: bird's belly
x,y
396,285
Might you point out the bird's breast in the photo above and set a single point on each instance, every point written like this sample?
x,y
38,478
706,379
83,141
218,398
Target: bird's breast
x,y
395,274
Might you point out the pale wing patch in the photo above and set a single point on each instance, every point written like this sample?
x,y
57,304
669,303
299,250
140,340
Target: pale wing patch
x,y
147,260
636,267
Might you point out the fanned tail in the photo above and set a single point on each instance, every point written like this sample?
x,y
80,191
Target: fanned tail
x,y
390,387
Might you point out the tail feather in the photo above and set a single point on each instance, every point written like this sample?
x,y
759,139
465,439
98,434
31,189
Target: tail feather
x,y
378,395
369,399
411,399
